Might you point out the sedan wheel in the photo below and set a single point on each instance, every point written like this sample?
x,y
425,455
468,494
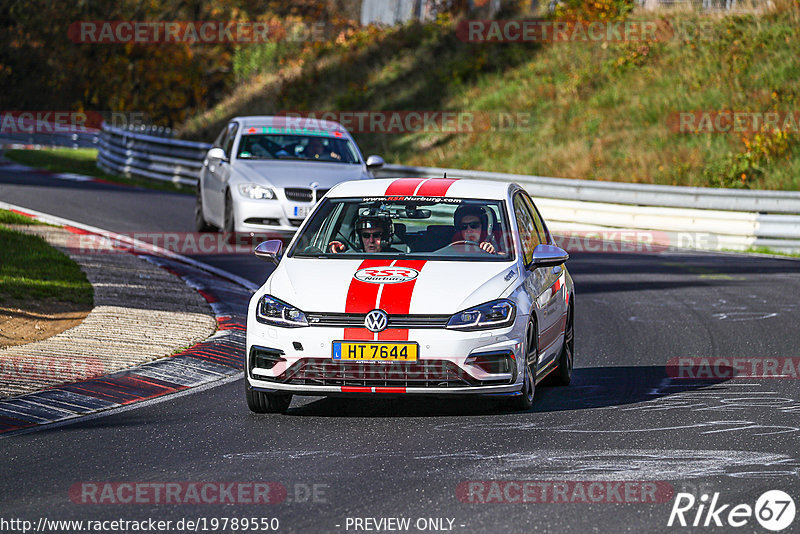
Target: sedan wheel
x,y
229,216
200,223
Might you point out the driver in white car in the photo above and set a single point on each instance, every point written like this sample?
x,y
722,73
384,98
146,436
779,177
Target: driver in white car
x,y
374,234
471,224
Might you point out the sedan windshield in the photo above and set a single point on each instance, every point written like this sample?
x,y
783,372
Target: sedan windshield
x,y
296,147
413,227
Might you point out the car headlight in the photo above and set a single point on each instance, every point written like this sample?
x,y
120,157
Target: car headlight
x,y
494,314
276,312
256,192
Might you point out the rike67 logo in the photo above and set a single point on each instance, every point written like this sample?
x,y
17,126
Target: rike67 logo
x,y
774,510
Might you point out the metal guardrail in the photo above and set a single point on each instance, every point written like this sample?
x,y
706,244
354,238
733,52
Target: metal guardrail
x,y
44,139
130,153
698,216
737,219
626,193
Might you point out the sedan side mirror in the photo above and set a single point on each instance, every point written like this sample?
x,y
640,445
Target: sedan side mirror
x,y
374,163
548,256
217,153
269,250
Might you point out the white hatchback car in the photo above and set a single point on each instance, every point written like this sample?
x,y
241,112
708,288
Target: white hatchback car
x,y
412,286
264,174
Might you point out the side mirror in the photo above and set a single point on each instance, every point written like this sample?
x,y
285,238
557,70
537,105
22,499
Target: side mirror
x,y
217,153
269,250
374,163
548,256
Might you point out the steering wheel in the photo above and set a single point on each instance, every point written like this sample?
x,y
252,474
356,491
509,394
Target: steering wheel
x,y
348,245
466,245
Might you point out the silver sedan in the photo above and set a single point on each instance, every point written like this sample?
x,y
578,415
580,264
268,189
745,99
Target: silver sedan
x,y
264,174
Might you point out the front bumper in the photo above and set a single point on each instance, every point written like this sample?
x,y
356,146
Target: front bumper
x,y
506,390
446,364
276,215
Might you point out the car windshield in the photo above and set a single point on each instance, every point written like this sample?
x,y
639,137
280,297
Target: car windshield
x,y
269,143
410,227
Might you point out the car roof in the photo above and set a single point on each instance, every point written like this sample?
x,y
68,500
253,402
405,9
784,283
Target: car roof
x,y
289,122
447,187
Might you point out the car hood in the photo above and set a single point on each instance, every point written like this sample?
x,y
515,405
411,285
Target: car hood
x,y
430,287
297,173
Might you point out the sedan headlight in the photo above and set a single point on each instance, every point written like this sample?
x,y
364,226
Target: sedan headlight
x,y
256,191
494,314
276,312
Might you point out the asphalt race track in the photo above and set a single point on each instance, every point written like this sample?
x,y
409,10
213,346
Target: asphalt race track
x,y
624,431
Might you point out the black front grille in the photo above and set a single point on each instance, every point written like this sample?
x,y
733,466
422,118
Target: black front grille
x,y
259,220
424,373
356,320
301,194
298,194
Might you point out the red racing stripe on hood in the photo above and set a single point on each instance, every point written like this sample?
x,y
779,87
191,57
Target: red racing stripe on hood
x,y
396,299
361,298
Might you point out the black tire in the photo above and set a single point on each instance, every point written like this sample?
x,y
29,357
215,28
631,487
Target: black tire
x,y
229,224
562,375
200,223
260,402
524,401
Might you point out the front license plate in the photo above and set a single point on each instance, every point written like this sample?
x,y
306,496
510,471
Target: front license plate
x,y
301,211
385,352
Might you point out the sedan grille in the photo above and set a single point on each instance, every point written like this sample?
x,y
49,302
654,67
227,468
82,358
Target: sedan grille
x,y
302,194
297,194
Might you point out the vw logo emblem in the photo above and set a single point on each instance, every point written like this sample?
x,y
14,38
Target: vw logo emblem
x,y
376,321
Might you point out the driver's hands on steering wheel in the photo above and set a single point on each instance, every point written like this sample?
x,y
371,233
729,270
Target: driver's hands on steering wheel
x,y
484,246
336,247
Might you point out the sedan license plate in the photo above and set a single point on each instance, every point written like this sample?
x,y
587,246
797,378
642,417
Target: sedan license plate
x,y
301,211
366,351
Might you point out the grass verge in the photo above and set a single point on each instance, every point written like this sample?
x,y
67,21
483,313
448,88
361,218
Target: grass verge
x,y
764,250
599,110
31,269
84,161
9,217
